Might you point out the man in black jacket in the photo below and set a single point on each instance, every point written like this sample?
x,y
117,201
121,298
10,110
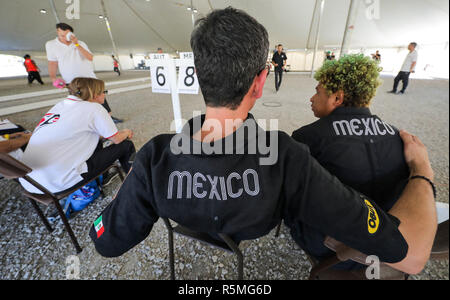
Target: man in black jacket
x,y
359,148
279,62
225,174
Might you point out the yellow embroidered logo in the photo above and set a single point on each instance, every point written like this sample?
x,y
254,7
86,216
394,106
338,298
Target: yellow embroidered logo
x,y
372,219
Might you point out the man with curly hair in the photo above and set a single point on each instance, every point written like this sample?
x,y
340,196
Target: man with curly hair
x,y
359,148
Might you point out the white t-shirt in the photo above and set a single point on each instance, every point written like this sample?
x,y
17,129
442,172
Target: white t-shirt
x,y
65,138
71,62
410,58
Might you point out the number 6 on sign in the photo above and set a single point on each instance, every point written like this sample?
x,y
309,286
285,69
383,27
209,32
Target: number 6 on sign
x,y
159,72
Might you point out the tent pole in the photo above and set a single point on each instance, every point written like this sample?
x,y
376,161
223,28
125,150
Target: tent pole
x,y
349,26
192,14
310,30
316,46
52,4
108,27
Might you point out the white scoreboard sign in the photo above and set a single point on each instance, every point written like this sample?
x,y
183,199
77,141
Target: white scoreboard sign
x,y
163,72
164,78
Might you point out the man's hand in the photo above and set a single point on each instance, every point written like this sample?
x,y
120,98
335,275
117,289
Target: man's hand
x,y
59,83
416,155
121,136
74,39
130,133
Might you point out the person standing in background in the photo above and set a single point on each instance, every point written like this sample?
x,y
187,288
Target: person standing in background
x,y
377,56
408,67
279,61
116,65
32,70
73,59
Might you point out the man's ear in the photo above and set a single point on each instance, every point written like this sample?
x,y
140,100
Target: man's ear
x,y
339,98
259,82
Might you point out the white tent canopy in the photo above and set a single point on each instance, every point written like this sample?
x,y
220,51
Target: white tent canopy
x,y
141,26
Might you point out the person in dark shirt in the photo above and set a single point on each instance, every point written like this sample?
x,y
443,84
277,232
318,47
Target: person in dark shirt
x,y
362,150
225,174
279,62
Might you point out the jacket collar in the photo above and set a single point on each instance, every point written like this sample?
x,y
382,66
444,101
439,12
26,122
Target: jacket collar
x,y
351,111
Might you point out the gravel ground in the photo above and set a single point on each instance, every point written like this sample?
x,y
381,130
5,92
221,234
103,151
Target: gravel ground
x,y
28,251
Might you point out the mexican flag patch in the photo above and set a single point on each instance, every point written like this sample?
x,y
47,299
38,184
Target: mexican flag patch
x,y
98,225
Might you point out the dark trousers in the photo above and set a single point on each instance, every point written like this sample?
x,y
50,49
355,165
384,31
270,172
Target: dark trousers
x,y
404,77
116,69
106,106
34,75
104,157
278,78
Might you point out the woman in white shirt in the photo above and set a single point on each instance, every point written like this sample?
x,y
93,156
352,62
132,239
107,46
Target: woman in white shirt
x,y
65,147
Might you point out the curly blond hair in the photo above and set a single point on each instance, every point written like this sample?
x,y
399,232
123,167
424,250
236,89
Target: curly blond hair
x,y
356,75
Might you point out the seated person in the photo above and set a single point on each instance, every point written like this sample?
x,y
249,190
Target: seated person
x,y
246,193
359,148
64,149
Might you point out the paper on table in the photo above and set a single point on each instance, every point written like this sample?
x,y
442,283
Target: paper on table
x,y
6,124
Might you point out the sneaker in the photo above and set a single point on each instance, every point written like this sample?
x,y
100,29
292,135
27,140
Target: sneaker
x,y
108,177
402,92
115,120
392,92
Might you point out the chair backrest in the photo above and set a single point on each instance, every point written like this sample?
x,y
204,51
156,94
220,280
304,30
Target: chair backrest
x,y
440,244
11,168
344,252
227,244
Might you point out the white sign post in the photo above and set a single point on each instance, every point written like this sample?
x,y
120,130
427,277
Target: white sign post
x,y
164,79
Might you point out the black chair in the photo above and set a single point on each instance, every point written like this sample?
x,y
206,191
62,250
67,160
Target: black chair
x,y
322,270
227,244
11,168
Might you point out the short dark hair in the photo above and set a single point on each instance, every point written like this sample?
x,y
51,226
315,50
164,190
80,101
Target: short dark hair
x,y
230,49
279,45
27,56
64,26
414,44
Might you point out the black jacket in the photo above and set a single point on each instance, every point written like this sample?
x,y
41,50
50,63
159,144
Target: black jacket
x,y
360,149
238,195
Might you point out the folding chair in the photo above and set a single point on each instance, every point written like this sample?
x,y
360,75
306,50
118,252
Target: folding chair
x,y
322,270
227,244
11,168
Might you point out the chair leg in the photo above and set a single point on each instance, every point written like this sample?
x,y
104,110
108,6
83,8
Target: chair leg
x,y
68,228
323,265
171,251
41,215
236,251
240,265
100,187
171,256
120,174
277,233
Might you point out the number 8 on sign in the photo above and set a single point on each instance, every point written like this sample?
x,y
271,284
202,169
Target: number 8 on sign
x,y
190,71
187,79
